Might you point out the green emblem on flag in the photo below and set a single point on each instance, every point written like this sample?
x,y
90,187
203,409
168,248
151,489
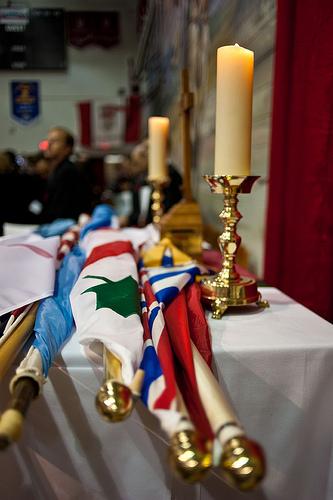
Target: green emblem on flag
x,y
121,296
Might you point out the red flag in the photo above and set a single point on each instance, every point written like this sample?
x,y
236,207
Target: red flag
x,y
199,329
178,324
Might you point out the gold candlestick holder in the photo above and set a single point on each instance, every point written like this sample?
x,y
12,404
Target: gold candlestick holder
x,y
157,198
228,288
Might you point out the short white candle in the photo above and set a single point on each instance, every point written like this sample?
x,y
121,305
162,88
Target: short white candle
x,y
158,132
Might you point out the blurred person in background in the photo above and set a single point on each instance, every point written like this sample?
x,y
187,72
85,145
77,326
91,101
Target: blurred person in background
x,y
67,191
19,188
121,189
37,164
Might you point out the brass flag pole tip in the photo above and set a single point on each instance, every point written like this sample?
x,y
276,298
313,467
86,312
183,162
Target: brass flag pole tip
x,y
114,401
189,457
243,463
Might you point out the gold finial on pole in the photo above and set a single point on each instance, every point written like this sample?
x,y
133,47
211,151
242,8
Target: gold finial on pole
x,y
243,463
189,455
114,400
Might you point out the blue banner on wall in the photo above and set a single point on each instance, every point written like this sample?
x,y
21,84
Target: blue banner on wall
x,y
25,101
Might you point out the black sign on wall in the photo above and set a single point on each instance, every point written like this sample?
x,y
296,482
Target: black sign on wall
x,y
34,40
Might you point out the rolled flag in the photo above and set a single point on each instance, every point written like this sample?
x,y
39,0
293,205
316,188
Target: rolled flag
x,y
168,282
102,216
70,238
180,335
160,391
67,241
160,286
55,228
105,304
53,326
139,237
105,301
242,460
184,322
189,455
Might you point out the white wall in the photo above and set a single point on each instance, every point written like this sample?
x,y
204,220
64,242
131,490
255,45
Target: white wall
x,y
93,73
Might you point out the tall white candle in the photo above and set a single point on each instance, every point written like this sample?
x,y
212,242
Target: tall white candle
x,y
234,89
158,132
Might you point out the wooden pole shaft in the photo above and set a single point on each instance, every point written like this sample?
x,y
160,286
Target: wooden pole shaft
x,y
186,105
10,349
217,407
112,366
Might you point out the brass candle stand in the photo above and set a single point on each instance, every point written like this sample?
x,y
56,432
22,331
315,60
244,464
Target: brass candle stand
x,y
157,198
228,288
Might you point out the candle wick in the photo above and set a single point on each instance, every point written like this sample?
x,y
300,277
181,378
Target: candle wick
x,y
236,44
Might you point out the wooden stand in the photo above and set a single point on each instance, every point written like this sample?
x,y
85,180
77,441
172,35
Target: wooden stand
x,y
183,223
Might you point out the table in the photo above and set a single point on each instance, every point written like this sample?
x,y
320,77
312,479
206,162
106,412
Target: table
x,y
277,366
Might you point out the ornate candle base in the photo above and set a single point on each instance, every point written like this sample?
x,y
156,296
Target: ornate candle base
x,y
228,288
157,198
220,295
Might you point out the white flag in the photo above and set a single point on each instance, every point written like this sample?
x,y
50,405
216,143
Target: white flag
x,y
27,270
105,299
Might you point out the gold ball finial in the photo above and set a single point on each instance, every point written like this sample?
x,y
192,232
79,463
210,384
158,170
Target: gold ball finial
x,y
114,401
189,456
243,463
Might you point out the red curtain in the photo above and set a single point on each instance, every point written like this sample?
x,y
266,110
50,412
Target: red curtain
x,y
299,242
133,119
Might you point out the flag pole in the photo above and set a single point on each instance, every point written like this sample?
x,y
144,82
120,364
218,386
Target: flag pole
x,y
248,472
29,378
114,400
13,345
14,320
189,455
137,382
24,387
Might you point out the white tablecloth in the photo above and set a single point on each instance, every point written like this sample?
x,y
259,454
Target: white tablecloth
x,y
277,365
